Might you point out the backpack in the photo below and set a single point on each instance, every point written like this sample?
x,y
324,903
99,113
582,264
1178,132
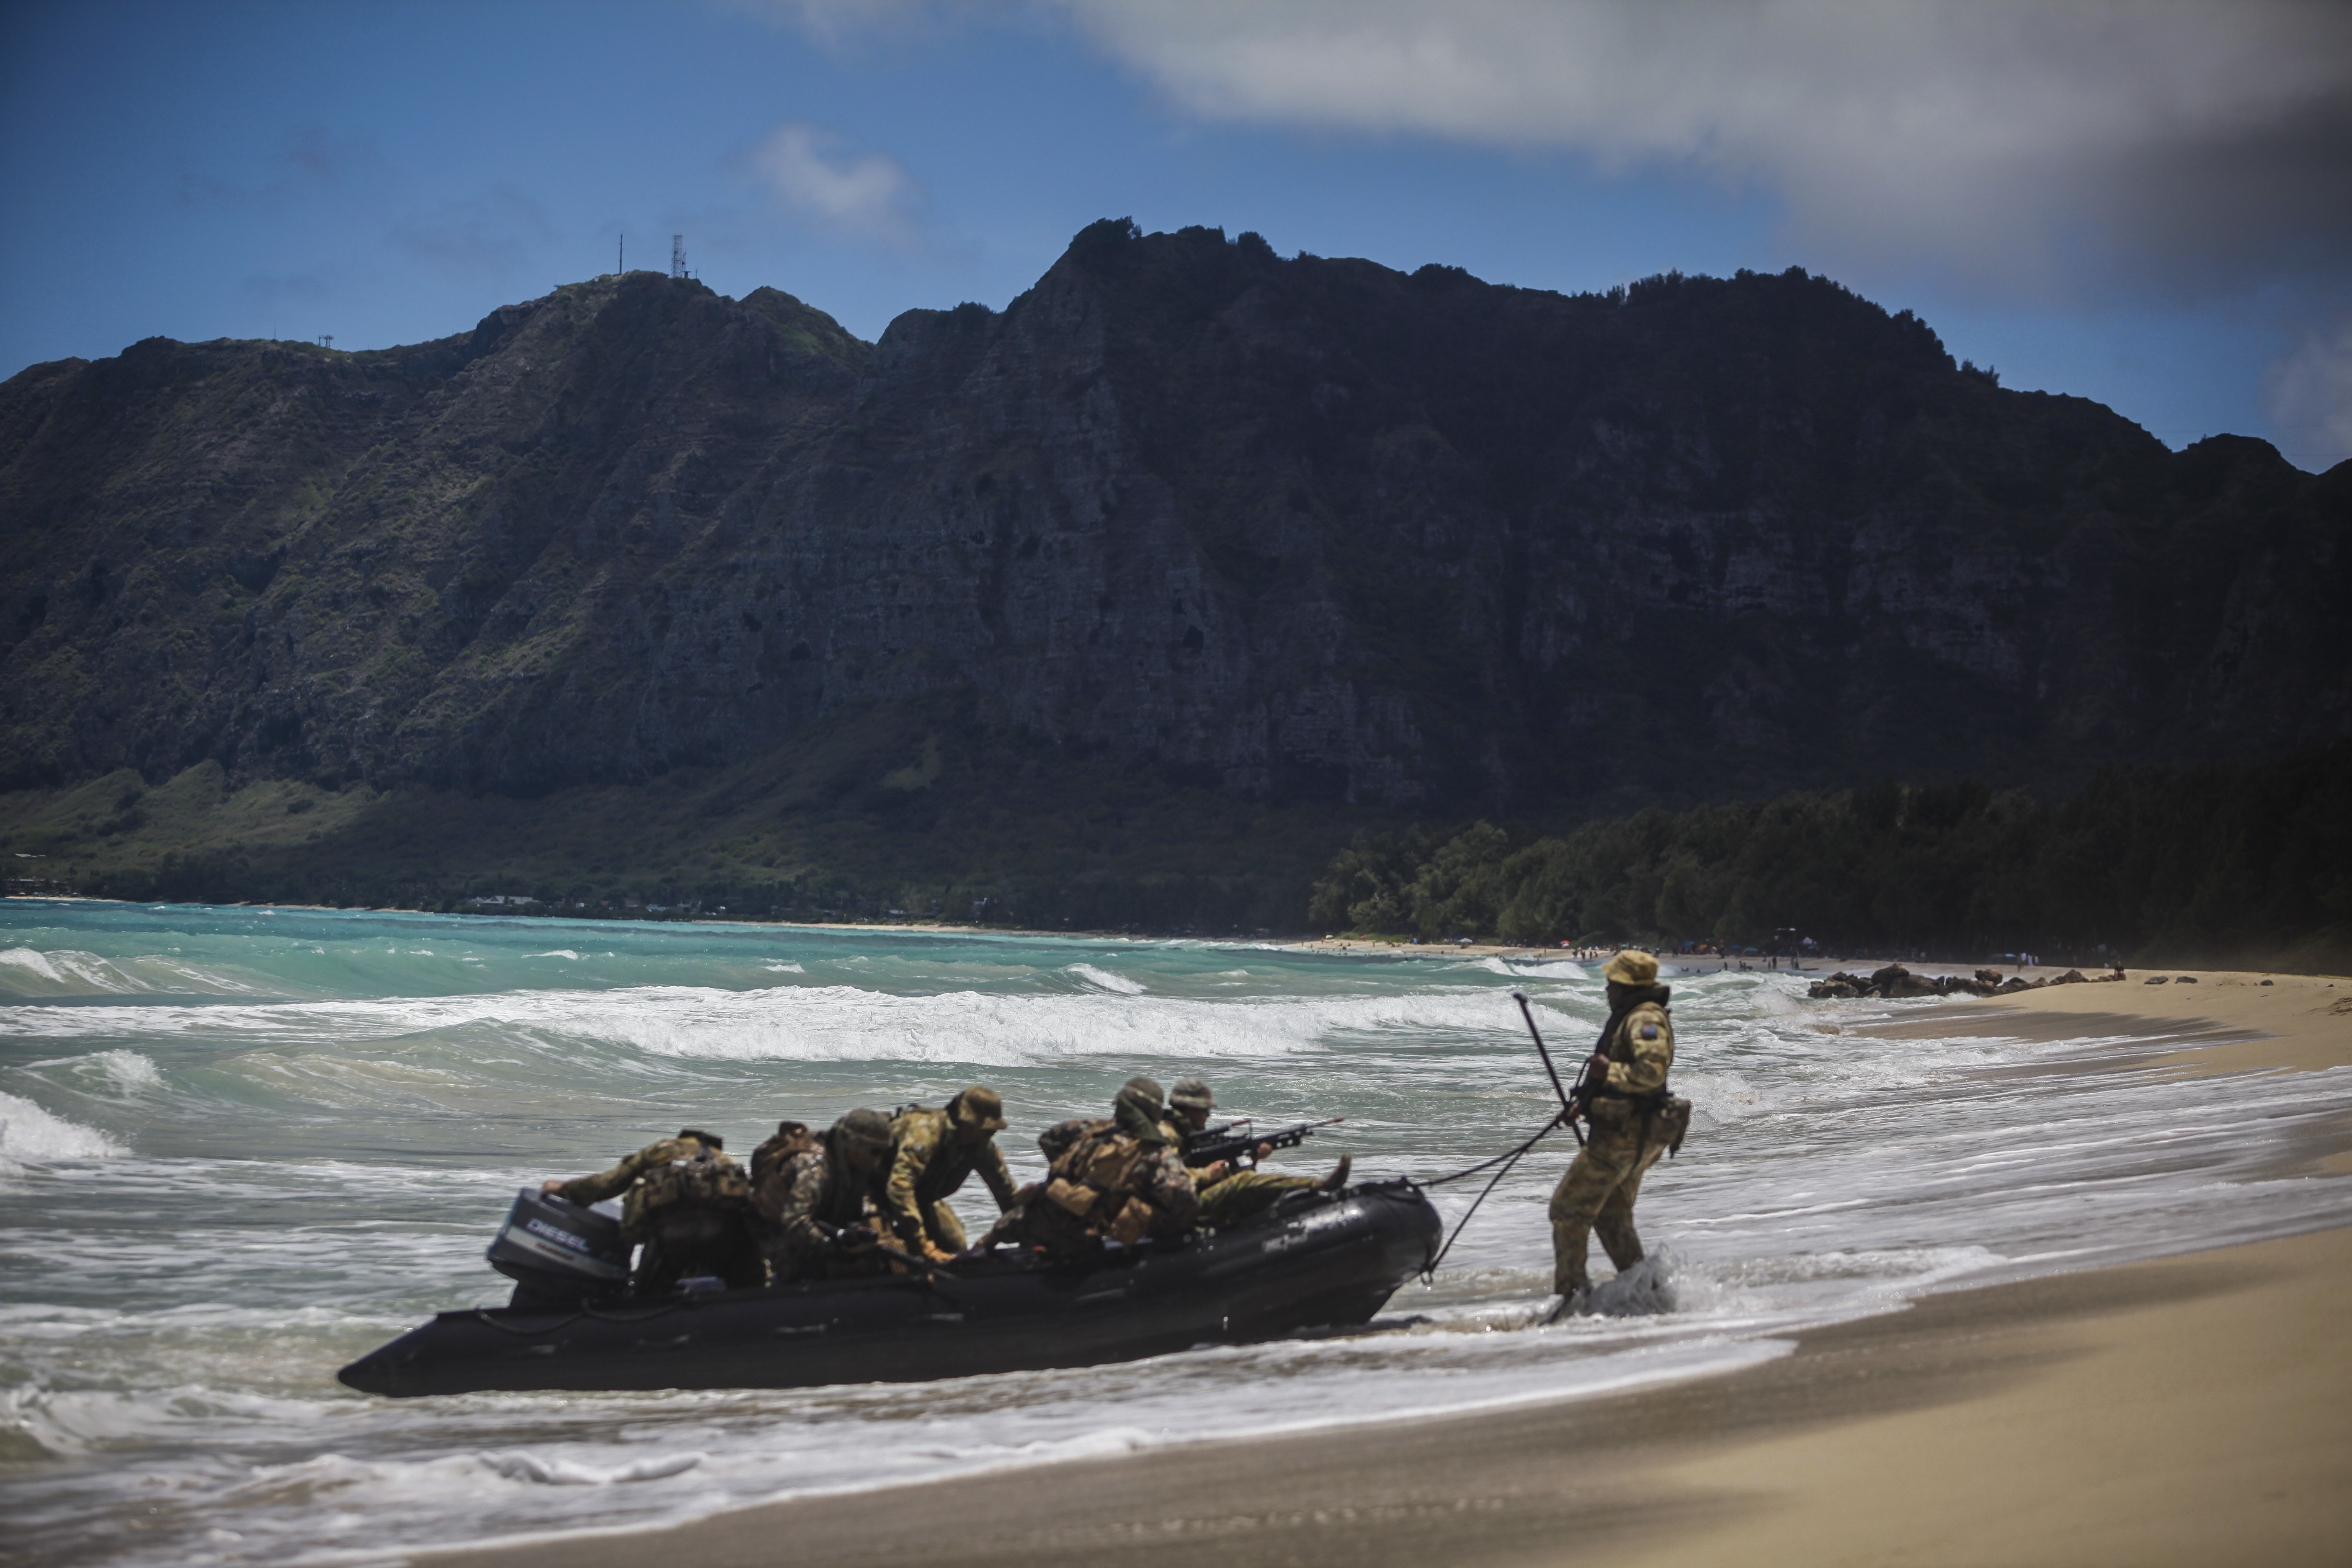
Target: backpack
x,y
791,1138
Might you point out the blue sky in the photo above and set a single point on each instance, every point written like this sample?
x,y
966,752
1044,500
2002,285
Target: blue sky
x,y
2151,215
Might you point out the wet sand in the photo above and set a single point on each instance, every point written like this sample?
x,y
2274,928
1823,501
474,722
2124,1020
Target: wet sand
x,y
2187,1410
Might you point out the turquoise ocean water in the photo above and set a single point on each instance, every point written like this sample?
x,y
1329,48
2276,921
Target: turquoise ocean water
x,y
239,1147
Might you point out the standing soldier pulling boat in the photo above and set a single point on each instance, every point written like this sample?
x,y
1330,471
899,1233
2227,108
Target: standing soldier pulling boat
x,y
1632,1121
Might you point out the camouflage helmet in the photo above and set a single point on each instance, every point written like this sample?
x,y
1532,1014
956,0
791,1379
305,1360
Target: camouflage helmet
x,y
978,1106
863,1131
1192,1094
1632,967
1143,1094
707,1140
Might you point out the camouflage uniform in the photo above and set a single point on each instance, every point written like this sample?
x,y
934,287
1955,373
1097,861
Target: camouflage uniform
x,y
1238,1194
928,1162
688,1204
806,1187
1119,1180
1628,1123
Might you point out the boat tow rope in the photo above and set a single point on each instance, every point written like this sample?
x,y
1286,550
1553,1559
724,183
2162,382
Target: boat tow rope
x,y
1564,1117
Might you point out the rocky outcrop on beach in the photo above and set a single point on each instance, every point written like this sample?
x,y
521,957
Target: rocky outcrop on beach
x,y
1899,984
1299,530
1894,982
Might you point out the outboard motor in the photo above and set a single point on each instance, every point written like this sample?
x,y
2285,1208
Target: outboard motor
x,y
558,1252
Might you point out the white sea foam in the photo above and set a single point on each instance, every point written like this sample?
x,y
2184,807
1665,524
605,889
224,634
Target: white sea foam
x,y
121,1072
561,1472
558,952
30,1135
1118,984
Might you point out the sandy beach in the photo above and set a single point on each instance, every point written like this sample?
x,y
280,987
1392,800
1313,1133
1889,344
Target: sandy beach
x,y
2179,1411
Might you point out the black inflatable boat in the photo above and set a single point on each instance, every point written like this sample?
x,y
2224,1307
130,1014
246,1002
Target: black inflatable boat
x,y
1316,1260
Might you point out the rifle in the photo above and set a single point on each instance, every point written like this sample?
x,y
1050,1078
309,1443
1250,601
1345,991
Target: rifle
x,y
847,1238
1576,1100
1228,1142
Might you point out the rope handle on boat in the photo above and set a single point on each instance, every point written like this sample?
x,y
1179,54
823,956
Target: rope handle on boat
x,y
1506,1160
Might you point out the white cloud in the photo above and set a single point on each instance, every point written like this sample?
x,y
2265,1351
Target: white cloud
x,y
2035,147
868,195
2308,394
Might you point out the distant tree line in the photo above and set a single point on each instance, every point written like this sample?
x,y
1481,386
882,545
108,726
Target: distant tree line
x,y
1164,905
2215,863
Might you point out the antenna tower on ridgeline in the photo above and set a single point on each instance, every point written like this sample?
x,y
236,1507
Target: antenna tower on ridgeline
x,y
326,341
677,255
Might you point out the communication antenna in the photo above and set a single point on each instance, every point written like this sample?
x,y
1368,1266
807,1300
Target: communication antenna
x,y
621,260
677,255
327,339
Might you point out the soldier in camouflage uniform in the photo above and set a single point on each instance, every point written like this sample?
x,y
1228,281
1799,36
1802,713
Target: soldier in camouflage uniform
x,y
931,1153
687,1203
1230,1197
817,1198
1119,1180
1630,1120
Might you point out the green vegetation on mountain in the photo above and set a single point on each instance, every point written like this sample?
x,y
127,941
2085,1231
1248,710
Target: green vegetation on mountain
x,y
2250,862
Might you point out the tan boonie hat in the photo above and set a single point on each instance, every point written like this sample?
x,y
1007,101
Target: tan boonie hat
x,y
1632,967
980,1106
1192,1094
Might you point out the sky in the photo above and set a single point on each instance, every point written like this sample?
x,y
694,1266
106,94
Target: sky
x,y
2141,201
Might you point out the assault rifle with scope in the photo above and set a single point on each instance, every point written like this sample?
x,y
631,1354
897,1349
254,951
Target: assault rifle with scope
x,y
1234,1142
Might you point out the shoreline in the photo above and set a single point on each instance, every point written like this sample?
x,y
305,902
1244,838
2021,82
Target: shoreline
x,y
2176,1410
2171,1411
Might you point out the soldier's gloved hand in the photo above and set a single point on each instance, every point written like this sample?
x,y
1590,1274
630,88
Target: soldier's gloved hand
x,y
550,1185
936,1253
1598,1066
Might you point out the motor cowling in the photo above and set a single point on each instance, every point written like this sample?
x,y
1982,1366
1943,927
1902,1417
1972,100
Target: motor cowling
x,y
556,1249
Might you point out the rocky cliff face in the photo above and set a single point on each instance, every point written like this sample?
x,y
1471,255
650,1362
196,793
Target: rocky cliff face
x,y
1306,529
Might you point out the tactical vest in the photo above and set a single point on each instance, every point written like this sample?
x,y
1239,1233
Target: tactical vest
x,y
707,1182
1664,1118
1093,1182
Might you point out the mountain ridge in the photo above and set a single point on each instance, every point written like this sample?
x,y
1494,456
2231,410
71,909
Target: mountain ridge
x,y
1301,532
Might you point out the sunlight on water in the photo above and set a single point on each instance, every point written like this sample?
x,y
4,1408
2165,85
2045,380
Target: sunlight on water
x,y
238,1147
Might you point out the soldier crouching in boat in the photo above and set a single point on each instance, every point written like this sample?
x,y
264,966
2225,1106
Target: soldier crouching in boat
x,y
1632,1119
687,1202
931,1155
1121,1180
817,1197
1229,1196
